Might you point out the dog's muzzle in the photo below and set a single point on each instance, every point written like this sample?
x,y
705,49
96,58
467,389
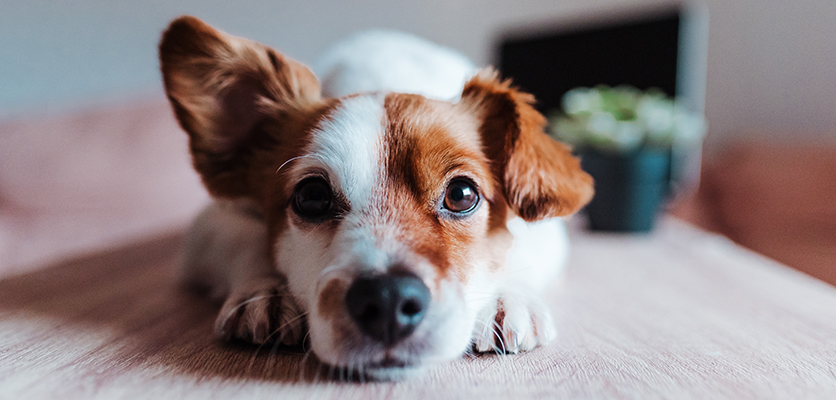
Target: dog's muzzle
x,y
387,308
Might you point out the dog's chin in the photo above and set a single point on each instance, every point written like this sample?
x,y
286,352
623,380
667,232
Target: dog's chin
x,y
370,361
387,367
376,364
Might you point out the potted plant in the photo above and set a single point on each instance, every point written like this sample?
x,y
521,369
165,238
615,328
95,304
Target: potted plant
x,y
626,139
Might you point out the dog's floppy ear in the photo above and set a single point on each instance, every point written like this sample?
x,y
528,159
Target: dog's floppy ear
x,y
539,176
223,89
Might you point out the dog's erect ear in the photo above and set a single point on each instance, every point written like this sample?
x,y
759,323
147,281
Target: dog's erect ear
x,y
222,89
539,176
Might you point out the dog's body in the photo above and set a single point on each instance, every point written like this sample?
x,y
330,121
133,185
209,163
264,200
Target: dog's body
x,y
389,61
400,228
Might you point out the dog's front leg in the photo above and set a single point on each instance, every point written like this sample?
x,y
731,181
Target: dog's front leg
x,y
519,319
227,252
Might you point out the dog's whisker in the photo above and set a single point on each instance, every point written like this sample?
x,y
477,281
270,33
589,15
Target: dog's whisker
x,y
303,366
281,329
303,371
501,348
253,358
288,161
272,359
481,336
498,337
235,309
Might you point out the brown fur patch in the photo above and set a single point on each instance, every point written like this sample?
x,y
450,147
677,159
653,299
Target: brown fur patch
x,y
271,164
247,109
428,143
231,95
331,302
539,176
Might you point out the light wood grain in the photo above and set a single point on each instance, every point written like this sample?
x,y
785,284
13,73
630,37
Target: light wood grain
x,y
677,314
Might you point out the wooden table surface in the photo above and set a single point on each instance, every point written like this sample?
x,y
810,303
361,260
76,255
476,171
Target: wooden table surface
x,y
676,314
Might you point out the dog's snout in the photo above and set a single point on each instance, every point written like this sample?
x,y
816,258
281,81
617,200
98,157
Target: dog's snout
x,y
388,307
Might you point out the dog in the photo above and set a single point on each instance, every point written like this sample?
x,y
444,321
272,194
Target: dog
x,y
393,231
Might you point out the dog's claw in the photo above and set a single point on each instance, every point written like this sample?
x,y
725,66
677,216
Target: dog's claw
x,y
291,324
515,324
262,312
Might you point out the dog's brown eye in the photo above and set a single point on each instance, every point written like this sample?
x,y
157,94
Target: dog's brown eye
x,y
312,198
461,196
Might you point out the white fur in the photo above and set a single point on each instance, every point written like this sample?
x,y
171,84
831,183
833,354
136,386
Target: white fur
x,y
210,251
226,252
348,145
539,253
379,61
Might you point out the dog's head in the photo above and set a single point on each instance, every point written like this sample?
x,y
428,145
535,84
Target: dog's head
x,y
387,212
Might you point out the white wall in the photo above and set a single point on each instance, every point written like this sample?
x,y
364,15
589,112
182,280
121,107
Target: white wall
x,y
772,68
65,51
770,62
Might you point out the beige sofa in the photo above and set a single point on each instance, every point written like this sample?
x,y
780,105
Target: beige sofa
x,y
777,198
85,181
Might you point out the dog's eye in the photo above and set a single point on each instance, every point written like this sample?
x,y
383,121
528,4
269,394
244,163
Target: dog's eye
x,y
312,198
461,196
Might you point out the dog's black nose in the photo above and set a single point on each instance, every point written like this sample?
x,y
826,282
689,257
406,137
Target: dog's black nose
x,y
388,307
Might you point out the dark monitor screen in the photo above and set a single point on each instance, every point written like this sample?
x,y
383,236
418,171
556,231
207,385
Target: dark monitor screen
x,y
641,52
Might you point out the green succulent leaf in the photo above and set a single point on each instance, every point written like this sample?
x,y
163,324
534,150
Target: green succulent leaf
x,y
623,118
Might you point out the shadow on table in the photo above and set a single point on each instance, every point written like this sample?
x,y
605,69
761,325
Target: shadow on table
x,y
129,299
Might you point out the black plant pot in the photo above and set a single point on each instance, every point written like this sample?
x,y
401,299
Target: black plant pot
x,y
629,188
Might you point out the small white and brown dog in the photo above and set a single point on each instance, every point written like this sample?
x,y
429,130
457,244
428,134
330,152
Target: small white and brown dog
x,y
397,229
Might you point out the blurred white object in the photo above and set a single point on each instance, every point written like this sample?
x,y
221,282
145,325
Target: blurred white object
x,y
382,60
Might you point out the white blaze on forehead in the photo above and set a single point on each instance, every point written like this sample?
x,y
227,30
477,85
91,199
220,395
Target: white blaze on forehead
x,y
348,145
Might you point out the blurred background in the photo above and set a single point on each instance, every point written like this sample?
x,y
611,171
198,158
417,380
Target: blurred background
x,y
90,156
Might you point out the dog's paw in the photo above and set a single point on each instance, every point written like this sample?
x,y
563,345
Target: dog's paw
x,y
260,312
516,323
